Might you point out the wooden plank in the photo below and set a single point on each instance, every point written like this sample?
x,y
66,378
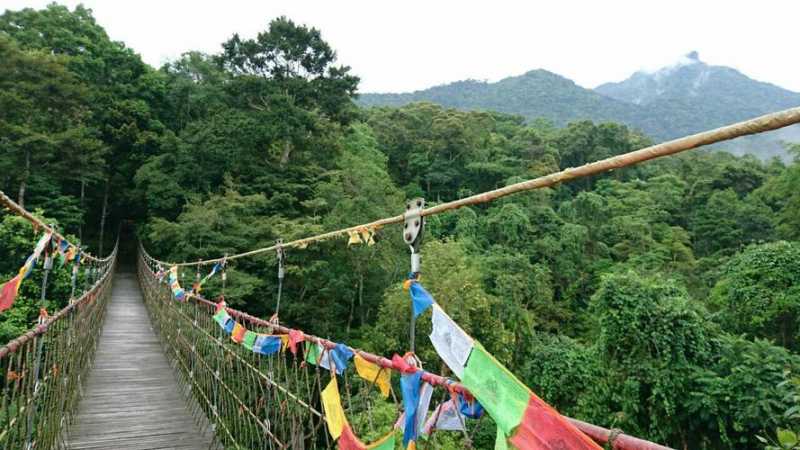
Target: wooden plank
x,y
131,399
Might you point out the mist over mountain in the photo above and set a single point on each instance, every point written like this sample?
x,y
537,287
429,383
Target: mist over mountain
x,y
686,97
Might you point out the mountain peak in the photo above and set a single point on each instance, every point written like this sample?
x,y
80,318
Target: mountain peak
x,y
693,55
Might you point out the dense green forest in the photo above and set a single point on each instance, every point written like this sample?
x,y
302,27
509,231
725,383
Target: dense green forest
x,y
662,299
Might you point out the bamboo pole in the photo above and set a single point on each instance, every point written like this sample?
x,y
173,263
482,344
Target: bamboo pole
x,y
767,122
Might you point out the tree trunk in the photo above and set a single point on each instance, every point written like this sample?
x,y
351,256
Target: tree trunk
x,y
287,151
83,196
103,215
361,297
23,184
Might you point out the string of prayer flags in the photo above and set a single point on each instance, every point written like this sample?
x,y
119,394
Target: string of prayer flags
x,y
374,374
508,401
320,356
543,427
266,344
177,290
451,342
295,337
9,291
410,385
332,406
355,238
199,285
420,298
362,236
221,315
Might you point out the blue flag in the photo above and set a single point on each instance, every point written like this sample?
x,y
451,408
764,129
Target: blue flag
x,y
340,355
420,298
267,344
410,387
472,410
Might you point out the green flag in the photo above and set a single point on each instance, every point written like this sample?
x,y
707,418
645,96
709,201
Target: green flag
x,y
249,340
312,353
500,442
385,443
496,388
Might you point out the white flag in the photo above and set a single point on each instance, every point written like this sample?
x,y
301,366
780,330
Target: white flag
x,y
445,418
424,403
451,342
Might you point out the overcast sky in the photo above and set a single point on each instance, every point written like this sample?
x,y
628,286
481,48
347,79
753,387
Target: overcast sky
x,y
406,45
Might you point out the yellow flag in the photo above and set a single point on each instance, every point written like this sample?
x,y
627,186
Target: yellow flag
x,y
373,373
284,341
355,238
332,406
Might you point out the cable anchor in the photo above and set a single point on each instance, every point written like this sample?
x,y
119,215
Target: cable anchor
x,y
413,229
281,256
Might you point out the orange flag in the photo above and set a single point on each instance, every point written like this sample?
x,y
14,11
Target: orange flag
x,y
238,333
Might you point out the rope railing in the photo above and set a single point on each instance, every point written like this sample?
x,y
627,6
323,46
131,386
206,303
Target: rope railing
x,y
43,369
249,401
148,268
14,207
761,124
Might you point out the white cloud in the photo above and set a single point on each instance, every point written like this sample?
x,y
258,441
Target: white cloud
x,y
402,46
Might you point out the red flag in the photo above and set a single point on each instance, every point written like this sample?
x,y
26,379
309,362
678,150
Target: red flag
x,y
9,293
400,364
543,428
349,441
295,337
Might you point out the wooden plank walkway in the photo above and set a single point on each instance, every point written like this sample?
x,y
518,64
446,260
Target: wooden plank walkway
x,y
132,399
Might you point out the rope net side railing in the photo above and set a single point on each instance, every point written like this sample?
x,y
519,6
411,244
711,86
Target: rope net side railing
x,y
43,369
250,402
215,375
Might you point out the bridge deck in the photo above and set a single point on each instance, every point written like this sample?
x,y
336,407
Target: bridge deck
x,y
132,399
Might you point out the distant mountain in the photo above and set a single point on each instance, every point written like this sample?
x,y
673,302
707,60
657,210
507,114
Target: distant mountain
x,y
684,98
538,93
694,96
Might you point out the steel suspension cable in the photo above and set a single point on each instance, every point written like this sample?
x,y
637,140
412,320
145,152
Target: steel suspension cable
x,y
761,124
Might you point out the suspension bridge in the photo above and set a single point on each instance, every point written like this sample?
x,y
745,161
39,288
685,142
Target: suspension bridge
x,y
135,361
